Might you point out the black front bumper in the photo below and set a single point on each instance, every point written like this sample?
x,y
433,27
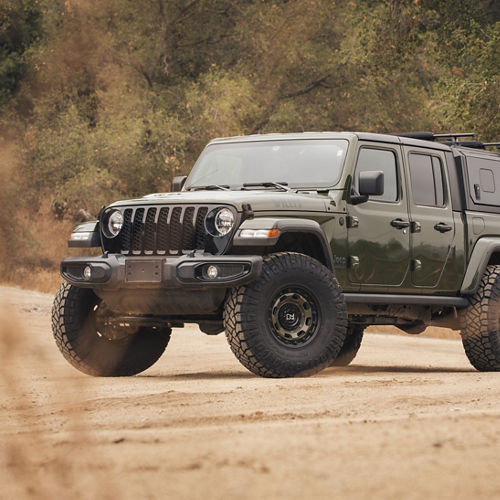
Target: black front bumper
x,y
116,271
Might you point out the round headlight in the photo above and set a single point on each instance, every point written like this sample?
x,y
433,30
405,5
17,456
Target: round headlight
x,y
115,223
224,221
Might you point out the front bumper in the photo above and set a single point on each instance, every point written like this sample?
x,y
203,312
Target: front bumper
x,y
116,271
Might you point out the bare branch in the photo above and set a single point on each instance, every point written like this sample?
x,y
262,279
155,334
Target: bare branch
x,y
306,90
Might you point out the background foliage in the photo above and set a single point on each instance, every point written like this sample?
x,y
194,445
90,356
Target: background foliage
x,y
105,100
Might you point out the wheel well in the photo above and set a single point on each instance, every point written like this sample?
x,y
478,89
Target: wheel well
x,y
305,243
494,259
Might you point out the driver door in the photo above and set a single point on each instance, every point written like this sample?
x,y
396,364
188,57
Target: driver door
x,y
378,229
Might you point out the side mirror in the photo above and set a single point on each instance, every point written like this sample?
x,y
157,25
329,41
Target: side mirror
x,y
178,183
371,183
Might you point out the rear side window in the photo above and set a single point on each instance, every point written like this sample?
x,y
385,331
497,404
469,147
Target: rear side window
x,y
427,185
370,159
484,178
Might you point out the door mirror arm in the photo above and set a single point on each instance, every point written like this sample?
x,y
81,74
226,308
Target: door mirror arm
x,y
356,199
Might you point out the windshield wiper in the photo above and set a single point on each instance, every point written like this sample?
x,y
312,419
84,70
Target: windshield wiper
x,y
279,185
210,187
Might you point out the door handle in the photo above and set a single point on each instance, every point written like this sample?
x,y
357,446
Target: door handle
x,y
415,227
352,221
442,227
399,223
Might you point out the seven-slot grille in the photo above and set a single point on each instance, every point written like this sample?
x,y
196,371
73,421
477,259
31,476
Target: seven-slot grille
x,y
160,230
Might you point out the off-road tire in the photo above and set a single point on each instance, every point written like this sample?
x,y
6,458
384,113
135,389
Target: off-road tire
x,y
481,323
351,346
250,317
76,336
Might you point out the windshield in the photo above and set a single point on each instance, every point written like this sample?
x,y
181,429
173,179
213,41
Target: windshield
x,y
298,164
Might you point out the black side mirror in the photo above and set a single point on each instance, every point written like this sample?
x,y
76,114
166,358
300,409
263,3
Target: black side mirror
x,y
371,183
178,183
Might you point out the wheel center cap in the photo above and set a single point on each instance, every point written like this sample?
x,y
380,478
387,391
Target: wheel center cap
x,y
289,316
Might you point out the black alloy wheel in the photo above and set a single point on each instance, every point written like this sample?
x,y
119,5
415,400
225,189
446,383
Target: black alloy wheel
x,y
294,316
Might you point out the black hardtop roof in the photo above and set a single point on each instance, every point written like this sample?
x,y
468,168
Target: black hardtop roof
x,y
399,139
476,152
464,141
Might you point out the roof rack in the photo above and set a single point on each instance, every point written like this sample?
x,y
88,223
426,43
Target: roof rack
x,y
465,144
430,136
452,139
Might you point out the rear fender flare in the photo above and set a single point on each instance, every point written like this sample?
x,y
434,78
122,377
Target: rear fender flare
x,y
479,259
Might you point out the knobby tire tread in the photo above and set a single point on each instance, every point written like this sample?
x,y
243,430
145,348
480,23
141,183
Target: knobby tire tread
x,y
480,335
351,346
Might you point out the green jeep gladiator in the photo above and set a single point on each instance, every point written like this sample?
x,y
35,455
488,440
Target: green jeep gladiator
x,y
293,244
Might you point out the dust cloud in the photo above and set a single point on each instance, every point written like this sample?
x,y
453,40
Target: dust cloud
x,y
32,463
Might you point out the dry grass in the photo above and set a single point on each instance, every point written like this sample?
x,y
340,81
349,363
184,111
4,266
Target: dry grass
x,y
39,279
31,244
35,265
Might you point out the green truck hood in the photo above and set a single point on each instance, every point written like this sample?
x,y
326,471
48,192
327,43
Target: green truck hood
x,y
260,201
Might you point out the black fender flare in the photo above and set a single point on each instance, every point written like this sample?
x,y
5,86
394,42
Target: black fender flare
x,y
304,226
479,259
85,235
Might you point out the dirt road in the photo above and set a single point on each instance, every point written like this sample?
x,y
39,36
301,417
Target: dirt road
x,y
410,419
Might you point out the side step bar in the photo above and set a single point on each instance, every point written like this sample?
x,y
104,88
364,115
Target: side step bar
x,y
388,298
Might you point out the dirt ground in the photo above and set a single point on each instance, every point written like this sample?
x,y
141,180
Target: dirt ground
x,y
409,419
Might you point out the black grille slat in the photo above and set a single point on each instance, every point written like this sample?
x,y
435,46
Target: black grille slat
x,y
188,228
149,241
161,230
126,232
200,233
176,231
137,230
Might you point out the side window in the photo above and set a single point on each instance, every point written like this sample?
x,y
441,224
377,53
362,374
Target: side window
x,y
484,175
382,160
426,174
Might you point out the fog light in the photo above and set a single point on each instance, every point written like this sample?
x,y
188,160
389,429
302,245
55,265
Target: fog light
x,y
212,272
87,273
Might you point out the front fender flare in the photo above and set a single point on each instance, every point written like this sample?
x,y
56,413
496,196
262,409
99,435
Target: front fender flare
x,y
304,226
85,235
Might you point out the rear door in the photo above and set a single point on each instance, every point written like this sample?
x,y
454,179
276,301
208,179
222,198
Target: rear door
x,y
431,220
